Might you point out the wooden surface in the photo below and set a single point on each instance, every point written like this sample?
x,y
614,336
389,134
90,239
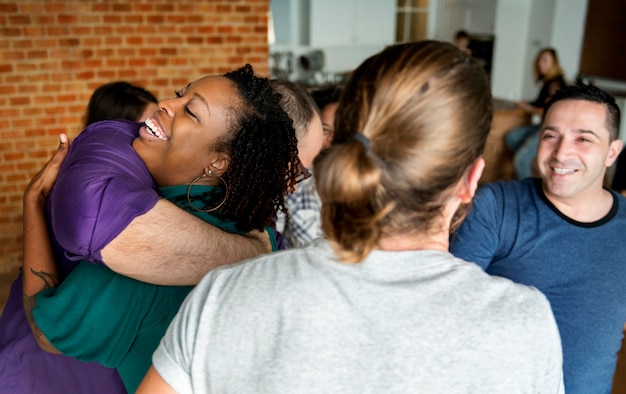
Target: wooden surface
x,y
498,161
619,380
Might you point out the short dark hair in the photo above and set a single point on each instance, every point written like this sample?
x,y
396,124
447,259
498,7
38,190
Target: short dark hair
x,y
118,100
588,92
326,95
461,34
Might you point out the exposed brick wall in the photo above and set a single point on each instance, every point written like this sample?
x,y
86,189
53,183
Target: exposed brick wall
x,y
53,54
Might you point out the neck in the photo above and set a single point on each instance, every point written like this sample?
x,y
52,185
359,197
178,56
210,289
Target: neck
x,y
431,241
585,209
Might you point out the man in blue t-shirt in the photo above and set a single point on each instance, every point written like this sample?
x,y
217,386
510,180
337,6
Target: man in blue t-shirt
x,y
564,233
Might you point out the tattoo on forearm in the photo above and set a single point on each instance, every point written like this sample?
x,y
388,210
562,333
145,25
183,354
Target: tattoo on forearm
x,y
49,280
30,302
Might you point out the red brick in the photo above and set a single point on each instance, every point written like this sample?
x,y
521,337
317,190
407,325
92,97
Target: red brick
x,y
19,20
67,19
172,42
121,7
155,18
165,8
8,8
138,41
10,32
69,42
134,19
15,101
58,30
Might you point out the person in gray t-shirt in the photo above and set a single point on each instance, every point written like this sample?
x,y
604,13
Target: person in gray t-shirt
x,y
380,305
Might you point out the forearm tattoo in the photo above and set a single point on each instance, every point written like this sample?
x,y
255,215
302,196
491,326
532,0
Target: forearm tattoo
x,y
30,301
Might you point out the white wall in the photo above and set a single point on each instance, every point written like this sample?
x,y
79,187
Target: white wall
x,y
509,55
522,28
567,33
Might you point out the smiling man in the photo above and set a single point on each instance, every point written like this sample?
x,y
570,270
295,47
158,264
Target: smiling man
x,y
564,233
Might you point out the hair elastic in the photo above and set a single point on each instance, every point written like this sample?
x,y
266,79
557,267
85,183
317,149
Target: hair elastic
x,y
363,140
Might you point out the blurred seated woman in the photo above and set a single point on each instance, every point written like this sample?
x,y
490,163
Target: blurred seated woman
x,y
223,150
523,140
380,305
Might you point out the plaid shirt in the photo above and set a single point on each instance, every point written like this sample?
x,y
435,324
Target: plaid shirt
x,y
304,224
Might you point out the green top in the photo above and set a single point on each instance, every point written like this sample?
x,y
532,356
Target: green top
x,y
98,315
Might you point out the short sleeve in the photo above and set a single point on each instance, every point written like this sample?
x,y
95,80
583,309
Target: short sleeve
x,y
477,238
102,186
174,357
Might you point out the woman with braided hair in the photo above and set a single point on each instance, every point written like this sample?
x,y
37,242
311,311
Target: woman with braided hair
x,y
380,306
223,149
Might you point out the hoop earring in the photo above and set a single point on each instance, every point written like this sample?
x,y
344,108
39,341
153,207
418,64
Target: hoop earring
x,y
196,179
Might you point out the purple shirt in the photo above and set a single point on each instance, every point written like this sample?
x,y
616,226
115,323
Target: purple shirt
x,y
102,186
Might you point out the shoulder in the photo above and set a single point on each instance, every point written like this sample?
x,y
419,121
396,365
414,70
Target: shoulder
x,y
501,194
266,272
104,130
505,297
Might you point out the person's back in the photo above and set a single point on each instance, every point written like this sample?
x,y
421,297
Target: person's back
x,y
380,305
563,234
395,323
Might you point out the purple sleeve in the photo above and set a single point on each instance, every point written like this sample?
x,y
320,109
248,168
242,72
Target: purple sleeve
x,y
102,186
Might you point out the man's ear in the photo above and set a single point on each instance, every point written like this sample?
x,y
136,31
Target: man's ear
x,y
220,164
615,148
470,182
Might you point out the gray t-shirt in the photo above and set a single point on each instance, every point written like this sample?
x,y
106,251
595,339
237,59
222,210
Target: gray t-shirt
x,y
298,321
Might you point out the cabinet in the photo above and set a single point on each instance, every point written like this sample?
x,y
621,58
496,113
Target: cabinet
x,y
352,22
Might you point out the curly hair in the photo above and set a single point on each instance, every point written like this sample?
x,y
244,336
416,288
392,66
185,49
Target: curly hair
x,y
264,155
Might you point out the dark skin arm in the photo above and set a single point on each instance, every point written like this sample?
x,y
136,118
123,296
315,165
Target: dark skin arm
x,y
40,271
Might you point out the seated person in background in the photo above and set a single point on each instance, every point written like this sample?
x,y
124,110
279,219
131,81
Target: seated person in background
x,y
120,100
522,141
19,354
382,306
462,41
302,224
563,233
214,134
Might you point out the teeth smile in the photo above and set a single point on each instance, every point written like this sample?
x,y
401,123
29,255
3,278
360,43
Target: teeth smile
x,y
154,130
562,171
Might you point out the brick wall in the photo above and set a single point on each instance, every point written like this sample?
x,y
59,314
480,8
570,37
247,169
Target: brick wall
x,y
53,54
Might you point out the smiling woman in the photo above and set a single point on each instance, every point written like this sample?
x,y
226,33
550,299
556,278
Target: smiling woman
x,y
224,142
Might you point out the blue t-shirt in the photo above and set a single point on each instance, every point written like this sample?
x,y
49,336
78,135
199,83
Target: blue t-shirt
x,y
514,231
